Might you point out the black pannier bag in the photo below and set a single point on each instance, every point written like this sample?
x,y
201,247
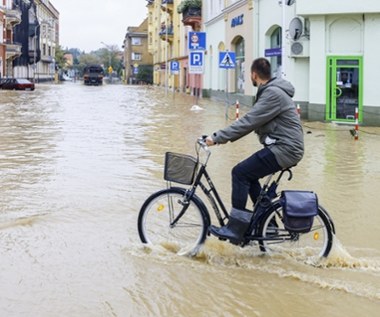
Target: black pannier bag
x,y
299,208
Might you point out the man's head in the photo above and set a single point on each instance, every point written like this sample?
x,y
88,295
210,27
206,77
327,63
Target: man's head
x,y
260,71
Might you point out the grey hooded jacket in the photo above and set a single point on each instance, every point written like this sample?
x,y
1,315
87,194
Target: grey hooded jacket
x,y
275,120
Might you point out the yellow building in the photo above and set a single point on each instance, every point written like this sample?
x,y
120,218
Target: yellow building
x,y
167,36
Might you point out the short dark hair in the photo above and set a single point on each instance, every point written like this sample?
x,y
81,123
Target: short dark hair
x,y
262,68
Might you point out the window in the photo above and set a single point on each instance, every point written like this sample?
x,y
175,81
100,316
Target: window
x,y
136,40
136,56
240,59
276,61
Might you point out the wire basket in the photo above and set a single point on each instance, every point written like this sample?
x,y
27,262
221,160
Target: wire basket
x,y
180,168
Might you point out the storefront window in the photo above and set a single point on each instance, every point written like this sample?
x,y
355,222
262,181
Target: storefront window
x,y
276,61
240,63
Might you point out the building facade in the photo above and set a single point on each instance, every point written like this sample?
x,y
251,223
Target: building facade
x,y
343,60
2,37
169,28
38,35
138,62
29,39
11,18
327,49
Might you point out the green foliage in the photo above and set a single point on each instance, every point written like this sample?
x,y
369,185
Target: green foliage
x,y
145,74
60,59
186,4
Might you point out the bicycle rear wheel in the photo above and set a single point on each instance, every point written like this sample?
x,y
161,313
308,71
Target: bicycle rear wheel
x,y
315,243
157,223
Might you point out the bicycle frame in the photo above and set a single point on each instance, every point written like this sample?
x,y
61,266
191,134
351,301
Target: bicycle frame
x,y
267,194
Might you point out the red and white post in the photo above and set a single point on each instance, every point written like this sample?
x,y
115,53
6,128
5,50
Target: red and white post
x,y
299,110
237,110
356,136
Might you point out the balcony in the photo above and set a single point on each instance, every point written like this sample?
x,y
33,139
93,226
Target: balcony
x,y
192,17
46,58
166,34
167,5
13,17
13,50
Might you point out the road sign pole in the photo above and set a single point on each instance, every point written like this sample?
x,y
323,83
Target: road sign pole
x,y
227,103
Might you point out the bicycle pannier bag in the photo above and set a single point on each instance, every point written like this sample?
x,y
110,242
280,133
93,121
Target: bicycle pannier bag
x,y
299,208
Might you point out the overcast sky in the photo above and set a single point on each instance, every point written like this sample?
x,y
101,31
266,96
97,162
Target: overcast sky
x,y
84,24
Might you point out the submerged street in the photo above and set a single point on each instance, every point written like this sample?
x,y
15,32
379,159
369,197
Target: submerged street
x,y
77,163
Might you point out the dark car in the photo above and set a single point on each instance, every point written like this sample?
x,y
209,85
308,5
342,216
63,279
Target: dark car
x,y
16,84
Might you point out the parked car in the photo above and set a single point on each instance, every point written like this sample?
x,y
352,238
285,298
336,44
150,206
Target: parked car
x,y
16,84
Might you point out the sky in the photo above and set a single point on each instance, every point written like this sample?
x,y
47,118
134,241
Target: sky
x,y
84,24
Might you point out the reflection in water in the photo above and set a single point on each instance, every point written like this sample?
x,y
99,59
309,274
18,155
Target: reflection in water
x,y
76,164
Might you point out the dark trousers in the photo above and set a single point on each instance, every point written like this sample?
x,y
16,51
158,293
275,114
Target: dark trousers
x,y
246,175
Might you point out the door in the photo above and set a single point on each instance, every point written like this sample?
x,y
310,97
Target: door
x,y
344,88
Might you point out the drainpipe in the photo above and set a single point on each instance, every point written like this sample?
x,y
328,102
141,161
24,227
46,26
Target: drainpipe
x,y
256,24
283,40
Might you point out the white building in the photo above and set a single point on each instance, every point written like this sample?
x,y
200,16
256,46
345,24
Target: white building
x,y
330,52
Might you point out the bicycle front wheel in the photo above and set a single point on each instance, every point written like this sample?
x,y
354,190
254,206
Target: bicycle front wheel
x,y
275,238
168,219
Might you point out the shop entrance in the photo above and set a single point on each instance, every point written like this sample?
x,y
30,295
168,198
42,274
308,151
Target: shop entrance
x,y
344,88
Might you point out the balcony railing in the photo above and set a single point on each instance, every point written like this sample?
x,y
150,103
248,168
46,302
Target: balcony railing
x,y
12,50
13,16
47,58
166,33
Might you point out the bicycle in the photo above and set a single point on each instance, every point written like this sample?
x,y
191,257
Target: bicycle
x,y
178,216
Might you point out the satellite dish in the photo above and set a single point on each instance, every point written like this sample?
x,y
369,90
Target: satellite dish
x,y
295,28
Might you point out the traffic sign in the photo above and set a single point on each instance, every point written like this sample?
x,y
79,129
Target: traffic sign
x,y
197,41
196,62
174,67
227,60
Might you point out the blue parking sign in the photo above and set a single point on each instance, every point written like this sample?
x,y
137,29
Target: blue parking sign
x,y
196,62
174,67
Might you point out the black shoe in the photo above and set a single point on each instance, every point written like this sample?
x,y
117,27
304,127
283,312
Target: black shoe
x,y
236,227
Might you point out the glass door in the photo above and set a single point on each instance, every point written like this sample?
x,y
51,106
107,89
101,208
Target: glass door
x,y
344,88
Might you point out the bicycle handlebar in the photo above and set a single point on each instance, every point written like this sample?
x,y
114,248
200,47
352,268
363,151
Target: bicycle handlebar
x,y
201,141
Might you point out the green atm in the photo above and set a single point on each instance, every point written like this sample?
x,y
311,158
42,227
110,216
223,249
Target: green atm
x,y
344,88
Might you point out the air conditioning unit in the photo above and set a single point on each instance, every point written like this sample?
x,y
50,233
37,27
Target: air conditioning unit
x,y
299,49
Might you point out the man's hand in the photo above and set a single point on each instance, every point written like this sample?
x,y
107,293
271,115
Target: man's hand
x,y
209,141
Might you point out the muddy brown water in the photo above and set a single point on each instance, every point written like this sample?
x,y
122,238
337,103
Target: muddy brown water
x,y
76,164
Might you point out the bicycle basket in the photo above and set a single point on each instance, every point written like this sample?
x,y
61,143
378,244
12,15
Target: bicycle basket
x,y
180,168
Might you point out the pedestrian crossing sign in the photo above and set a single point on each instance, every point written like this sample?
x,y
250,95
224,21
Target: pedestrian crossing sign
x,y
227,59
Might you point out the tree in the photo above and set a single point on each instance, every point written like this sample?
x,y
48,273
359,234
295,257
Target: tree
x,y
60,59
145,74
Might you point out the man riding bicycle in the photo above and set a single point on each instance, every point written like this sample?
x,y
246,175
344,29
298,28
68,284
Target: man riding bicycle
x,y
276,122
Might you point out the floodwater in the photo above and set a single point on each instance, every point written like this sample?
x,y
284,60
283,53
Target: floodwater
x,y
76,164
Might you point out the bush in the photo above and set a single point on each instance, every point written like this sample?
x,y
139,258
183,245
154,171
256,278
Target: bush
x,y
186,4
